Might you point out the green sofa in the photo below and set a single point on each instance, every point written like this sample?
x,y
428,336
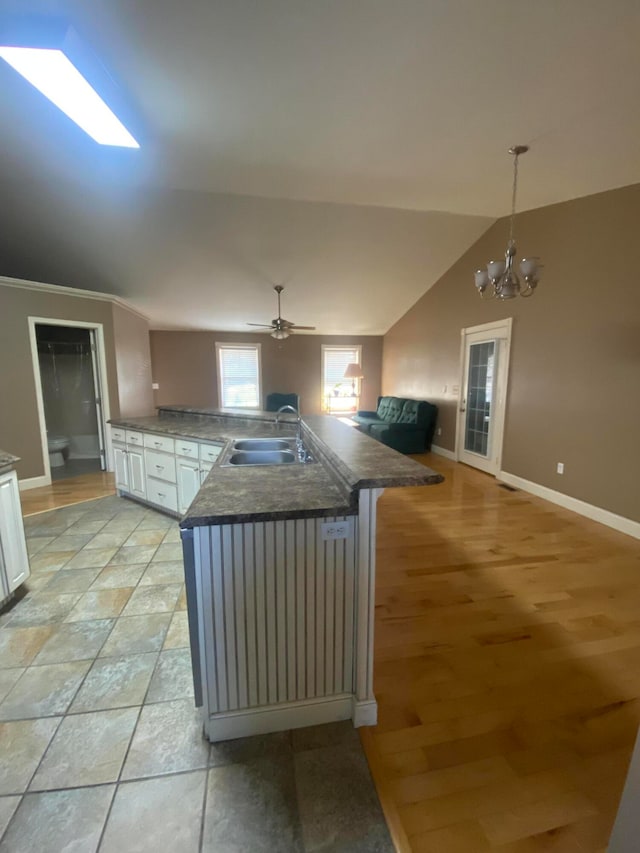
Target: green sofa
x,y
405,425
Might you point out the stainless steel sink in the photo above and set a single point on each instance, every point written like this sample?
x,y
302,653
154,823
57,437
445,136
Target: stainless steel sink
x,y
262,457
262,444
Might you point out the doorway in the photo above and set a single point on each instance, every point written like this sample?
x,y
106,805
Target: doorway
x,y
68,359
485,375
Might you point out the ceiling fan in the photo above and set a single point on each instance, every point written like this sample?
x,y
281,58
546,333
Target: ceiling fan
x,y
280,328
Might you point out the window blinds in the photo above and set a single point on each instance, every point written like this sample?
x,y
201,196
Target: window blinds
x,y
335,363
239,372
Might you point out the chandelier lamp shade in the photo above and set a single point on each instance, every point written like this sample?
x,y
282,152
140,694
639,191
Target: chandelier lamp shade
x,y
500,277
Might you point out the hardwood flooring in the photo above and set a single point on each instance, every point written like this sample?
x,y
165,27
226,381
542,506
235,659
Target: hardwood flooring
x,y
73,490
507,669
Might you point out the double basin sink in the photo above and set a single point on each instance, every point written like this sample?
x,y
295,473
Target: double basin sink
x,y
267,451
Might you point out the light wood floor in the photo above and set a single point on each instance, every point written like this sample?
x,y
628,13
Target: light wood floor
x,y
507,669
507,665
65,492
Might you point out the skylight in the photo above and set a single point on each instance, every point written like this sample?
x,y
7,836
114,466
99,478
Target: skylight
x,y
53,74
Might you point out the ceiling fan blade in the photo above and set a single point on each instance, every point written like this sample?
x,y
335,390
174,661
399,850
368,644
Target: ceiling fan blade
x,y
302,327
262,325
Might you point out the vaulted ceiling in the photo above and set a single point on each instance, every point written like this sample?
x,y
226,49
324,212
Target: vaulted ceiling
x,y
351,150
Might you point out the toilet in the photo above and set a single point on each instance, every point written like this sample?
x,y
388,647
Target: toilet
x,y
57,445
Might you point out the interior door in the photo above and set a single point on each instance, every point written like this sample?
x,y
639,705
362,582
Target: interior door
x,y
98,398
482,404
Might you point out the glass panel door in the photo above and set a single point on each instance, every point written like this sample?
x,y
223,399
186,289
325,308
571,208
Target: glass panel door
x,y
481,370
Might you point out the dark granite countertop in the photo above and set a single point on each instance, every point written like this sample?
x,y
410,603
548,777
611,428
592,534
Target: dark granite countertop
x,y
347,461
7,459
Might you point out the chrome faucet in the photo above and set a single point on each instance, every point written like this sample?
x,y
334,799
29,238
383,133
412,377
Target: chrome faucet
x,y
288,408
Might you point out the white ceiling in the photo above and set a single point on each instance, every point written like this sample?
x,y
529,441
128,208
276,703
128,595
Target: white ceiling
x,y
408,105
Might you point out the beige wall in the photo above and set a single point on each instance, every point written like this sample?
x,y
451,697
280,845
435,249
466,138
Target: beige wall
x,y
574,390
184,365
19,427
133,363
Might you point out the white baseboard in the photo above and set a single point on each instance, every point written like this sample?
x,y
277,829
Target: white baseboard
x,y
277,718
595,513
365,713
442,451
34,483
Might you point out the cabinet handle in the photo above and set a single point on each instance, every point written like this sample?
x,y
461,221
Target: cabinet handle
x,y
158,443
161,495
160,467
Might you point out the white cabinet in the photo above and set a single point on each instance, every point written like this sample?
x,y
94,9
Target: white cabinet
x,y
137,483
121,467
162,494
14,562
205,467
129,470
162,466
210,452
159,469
188,476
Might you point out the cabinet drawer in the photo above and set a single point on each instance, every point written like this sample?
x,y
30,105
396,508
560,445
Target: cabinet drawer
x,y
160,465
159,442
134,437
118,434
209,452
186,448
162,494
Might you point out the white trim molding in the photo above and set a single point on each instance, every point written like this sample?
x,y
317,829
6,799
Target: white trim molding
x,y
277,718
595,513
442,451
34,483
62,290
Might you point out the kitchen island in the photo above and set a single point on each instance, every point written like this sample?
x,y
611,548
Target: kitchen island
x,y
14,562
280,569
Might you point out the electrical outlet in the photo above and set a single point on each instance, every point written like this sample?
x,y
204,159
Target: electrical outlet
x,y
155,386
439,431
560,467
455,389
336,530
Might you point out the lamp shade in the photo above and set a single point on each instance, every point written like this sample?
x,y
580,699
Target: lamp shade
x,y
353,371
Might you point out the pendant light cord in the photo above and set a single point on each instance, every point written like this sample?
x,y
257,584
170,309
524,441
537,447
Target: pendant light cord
x,y
513,197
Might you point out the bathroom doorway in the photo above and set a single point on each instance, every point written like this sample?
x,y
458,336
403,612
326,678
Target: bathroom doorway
x,y
70,401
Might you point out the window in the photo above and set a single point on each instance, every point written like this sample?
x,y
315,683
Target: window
x,y
239,376
338,392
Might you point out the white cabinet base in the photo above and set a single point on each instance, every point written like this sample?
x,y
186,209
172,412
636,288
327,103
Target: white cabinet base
x,y
285,623
14,562
278,718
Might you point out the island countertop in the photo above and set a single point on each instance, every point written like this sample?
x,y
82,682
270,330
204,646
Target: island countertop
x,y
7,459
347,461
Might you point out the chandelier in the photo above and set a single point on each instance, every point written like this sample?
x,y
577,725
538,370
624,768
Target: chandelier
x,y
500,274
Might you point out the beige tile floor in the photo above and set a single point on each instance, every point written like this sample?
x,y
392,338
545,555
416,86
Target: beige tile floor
x,y
101,745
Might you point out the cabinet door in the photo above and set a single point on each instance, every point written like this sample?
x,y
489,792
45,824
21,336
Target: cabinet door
x,y
188,475
205,467
12,542
137,483
122,468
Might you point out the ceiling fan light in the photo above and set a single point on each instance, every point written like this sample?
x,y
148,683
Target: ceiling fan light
x,y
280,334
